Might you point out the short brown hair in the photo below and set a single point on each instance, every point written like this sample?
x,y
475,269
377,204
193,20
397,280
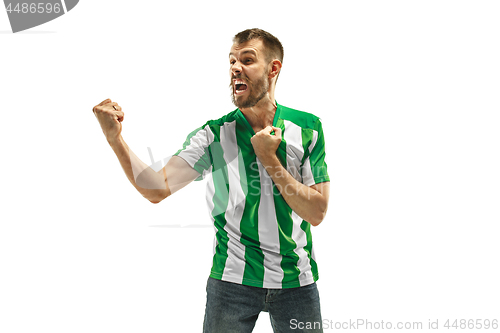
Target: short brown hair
x,y
274,49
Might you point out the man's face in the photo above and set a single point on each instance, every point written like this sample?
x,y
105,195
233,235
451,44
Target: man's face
x,y
249,73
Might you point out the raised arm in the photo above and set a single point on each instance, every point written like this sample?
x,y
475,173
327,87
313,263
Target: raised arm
x,y
154,186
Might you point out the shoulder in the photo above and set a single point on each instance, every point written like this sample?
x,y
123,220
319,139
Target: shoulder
x,y
303,119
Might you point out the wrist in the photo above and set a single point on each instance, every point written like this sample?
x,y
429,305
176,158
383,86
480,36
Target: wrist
x,y
115,141
269,160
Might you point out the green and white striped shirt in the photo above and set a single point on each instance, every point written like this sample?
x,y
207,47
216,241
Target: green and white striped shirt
x,y
259,240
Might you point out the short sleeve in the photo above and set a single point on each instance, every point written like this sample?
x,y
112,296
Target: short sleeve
x,y
314,168
196,150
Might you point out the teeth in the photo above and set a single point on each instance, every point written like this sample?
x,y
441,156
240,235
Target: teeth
x,y
236,82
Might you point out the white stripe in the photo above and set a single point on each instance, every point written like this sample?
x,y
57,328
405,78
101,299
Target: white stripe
x,y
268,232
210,203
314,139
294,150
235,263
196,148
64,6
307,174
300,238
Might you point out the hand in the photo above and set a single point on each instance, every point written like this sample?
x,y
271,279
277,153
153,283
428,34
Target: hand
x,y
110,115
265,144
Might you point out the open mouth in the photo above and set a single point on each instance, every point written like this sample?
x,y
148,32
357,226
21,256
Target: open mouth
x,y
239,86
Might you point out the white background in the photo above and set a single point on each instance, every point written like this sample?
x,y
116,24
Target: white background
x,y
408,92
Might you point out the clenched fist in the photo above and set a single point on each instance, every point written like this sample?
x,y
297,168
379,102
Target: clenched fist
x,y
265,144
110,115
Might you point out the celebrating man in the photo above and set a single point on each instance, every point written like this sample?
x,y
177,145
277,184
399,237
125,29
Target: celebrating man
x,y
267,184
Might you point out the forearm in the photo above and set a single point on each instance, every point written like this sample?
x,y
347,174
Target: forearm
x,y
151,184
305,201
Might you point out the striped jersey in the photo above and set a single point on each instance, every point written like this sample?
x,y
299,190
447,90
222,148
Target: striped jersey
x,y
259,240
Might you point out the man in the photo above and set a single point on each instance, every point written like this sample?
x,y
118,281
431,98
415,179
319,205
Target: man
x,y
267,185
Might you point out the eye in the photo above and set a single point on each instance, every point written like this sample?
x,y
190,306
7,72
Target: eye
x,y
232,62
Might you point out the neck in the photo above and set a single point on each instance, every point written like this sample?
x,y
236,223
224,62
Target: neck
x,y
261,114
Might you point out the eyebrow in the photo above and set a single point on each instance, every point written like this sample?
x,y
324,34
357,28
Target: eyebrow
x,y
244,52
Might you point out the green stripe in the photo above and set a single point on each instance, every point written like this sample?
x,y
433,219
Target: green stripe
x,y
306,226
319,172
307,136
281,151
249,227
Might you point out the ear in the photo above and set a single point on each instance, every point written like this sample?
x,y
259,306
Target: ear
x,y
275,68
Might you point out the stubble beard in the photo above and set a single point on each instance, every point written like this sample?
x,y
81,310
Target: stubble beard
x,y
261,86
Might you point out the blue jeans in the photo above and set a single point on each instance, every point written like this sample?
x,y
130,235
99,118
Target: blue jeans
x,y
233,307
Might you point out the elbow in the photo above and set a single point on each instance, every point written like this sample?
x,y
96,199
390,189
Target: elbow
x,y
318,216
159,197
317,219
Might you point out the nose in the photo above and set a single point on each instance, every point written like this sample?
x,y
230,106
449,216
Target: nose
x,y
236,68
